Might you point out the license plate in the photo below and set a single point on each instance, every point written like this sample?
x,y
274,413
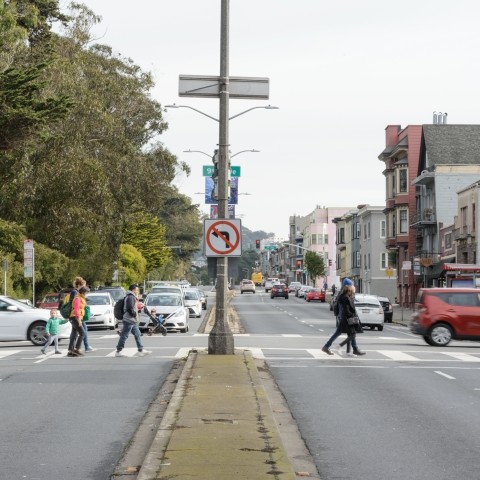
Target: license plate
x,y
365,310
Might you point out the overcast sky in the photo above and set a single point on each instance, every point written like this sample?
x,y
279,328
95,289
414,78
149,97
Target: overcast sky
x,y
340,72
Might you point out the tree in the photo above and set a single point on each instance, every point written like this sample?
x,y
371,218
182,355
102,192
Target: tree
x,y
315,265
132,264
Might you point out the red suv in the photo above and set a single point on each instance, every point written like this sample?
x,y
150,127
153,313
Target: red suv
x,y
445,314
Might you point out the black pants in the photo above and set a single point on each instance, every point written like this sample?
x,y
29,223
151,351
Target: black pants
x,y
76,337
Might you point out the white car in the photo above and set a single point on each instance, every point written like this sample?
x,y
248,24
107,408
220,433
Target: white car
x,y
193,301
19,321
294,286
171,306
269,283
369,310
101,307
247,286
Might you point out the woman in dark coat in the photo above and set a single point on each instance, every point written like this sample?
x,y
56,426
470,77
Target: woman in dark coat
x,y
347,310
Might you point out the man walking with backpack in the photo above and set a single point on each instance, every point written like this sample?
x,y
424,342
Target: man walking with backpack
x,y
130,323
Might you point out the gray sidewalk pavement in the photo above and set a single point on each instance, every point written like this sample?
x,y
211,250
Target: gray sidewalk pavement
x,y
219,425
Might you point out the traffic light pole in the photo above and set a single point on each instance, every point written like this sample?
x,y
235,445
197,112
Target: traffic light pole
x,y
220,340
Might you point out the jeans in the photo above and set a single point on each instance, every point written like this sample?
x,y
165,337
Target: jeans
x,y
127,328
51,339
85,337
76,336
352,338
336,334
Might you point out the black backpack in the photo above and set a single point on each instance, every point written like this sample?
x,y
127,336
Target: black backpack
x,y
118,308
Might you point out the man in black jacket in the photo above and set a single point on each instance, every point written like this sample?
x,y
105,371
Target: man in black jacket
x,y
130,323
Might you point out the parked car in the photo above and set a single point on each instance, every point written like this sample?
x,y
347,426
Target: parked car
x,y
101,308
247,286
19,321
168,289
370,311
445,314
294,286
203,298
302,291
297,290
50,300
315,295
116,292
387,309
193,302
279,290
171,306
269,283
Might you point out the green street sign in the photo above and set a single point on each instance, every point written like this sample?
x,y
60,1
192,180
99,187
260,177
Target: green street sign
x,y
208,171
270,247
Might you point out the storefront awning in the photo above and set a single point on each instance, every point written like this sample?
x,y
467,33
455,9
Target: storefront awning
x,y
461,267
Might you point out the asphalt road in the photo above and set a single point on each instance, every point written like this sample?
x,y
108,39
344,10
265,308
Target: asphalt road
x,y
405,410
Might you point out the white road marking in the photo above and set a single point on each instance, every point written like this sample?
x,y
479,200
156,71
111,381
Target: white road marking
x,y
398,356
182,352
445,375
290,335
464,357
7,353
256,352
129,352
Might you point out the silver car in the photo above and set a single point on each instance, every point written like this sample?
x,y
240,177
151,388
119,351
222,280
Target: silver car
x,y
101,305
193,302
171,306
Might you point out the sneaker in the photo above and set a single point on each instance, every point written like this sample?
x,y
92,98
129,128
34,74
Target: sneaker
x,y
142,353
78,353
339,350
327,351
349,354
90,349
71,354
58,352
359,352
119,354
43,351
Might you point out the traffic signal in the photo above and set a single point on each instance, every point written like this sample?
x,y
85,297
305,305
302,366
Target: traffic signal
x,y
257,243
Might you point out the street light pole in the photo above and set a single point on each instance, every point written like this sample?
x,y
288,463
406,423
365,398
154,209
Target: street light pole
x,y
220,340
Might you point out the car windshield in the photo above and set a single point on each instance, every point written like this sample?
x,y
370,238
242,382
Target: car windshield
x,y
98,300
51,299
163,301
17,303
191,296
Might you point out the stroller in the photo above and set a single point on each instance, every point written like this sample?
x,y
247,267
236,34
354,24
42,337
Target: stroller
x,y
158,321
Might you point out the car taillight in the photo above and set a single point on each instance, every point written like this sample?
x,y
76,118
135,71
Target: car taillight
x,y
380,310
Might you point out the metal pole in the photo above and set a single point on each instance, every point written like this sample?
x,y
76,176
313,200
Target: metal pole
x,y
220,341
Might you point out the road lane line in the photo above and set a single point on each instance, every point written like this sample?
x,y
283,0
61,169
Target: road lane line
x,y
445,375
7,353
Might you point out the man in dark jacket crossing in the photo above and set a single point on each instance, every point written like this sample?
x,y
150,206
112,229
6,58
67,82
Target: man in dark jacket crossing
x,y
130,323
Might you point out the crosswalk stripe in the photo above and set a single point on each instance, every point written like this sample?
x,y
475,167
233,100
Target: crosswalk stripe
x,y
7,353
465,357
182,352
397,355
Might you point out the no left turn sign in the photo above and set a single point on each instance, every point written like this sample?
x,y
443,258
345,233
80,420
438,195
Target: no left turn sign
x,y
222,238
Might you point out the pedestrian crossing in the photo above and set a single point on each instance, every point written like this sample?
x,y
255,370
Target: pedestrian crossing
x,y
273,353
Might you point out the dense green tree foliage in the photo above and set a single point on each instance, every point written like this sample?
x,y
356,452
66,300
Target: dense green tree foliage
x,y
315,265
80,155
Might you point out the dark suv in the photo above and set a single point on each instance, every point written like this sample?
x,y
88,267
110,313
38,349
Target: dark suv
x,y
279,290
387,309
445,314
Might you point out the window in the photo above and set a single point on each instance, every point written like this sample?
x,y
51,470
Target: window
x,y
403,221
383,229
383,260
358,228
402,183
314,238
368,264
448,240
368,226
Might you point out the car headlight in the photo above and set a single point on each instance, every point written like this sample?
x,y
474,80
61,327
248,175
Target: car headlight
x,y
179,313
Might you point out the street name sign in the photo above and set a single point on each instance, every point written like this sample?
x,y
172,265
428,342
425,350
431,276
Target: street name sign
x,y
208,171
209,86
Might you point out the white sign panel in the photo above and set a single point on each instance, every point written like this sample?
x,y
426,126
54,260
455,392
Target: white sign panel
x,y
223,238
209,86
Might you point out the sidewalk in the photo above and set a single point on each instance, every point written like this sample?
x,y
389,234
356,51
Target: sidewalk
x,y
219,425
402,317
